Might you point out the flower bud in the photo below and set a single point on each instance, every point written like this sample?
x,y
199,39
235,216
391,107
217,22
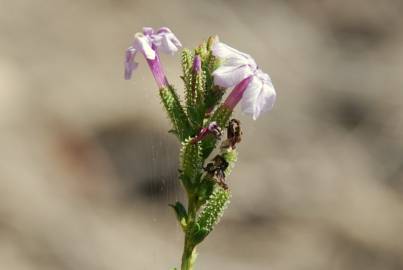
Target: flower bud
x,y
196,64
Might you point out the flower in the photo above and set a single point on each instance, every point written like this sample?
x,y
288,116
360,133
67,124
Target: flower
x,y
163,39
141,44
252,85
148,43
259,95
212,128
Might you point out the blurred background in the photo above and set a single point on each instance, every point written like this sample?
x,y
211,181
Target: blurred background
x,y
87,167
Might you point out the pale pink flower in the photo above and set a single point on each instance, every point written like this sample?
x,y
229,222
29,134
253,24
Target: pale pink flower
x,y
253,87
149,43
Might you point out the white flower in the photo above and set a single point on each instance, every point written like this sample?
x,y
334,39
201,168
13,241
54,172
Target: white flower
x,y
235,67
258,94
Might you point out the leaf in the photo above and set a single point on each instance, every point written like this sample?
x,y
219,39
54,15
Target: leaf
x,y
181,213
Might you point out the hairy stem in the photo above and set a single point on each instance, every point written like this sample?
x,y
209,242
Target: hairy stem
x,y
189,248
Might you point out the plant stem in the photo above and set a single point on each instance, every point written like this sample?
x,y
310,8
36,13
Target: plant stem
x,y
189,255
189,249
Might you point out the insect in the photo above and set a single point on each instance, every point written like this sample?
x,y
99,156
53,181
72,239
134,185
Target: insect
x,y
234,133
216,169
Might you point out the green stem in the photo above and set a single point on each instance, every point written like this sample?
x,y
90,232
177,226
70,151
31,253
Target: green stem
x,y
189,248
189,255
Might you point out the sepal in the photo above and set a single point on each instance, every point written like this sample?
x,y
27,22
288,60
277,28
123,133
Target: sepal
x,y
195,93
177,115
187,61
213,93
230,155
210,214
205,189
191,163
221,117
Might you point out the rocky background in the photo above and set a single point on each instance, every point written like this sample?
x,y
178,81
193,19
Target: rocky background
x,y
87,168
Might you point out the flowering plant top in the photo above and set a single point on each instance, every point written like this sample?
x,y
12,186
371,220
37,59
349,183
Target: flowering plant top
x,y
200,121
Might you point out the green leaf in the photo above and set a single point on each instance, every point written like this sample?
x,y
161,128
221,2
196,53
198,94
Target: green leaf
x,y
181,213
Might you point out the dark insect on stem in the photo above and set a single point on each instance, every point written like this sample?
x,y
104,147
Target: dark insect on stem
x,y
234,134
216,169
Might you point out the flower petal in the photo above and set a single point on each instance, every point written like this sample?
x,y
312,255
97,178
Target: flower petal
x,y
130,65
148,31
165,40
164,29
143,44
270,96
167,44
226,52
228,76
175,40
236,62
258,97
